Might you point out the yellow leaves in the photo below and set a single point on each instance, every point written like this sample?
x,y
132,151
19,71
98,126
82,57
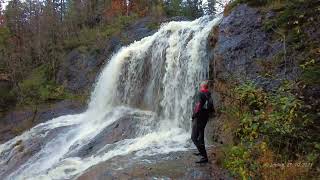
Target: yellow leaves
x,y
263,146
309,63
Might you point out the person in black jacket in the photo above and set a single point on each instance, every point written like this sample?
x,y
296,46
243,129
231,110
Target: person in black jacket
x,y
199,121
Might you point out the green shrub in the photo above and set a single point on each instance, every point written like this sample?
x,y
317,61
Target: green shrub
x,y
87,37
311,75
279,120
7,98
38,88
4,35
251,95
153,25
238,160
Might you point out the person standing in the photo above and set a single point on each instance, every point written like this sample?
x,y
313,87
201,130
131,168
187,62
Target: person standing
x,y
200,118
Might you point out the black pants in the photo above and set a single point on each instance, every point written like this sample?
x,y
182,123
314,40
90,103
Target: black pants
x,y
197,136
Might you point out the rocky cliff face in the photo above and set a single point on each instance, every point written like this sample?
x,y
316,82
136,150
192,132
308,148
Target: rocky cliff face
x,y
240,45
245,50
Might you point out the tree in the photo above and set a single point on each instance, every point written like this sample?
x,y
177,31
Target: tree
x,y
173,7
118,7
15,17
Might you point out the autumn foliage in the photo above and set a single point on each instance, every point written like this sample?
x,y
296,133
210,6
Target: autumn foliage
x,y
117,7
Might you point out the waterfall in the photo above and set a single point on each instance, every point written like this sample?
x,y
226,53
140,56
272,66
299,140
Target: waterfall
x,y
156,78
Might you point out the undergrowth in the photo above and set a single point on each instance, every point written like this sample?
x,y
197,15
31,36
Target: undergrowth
x,y
273,138
88,37
38,88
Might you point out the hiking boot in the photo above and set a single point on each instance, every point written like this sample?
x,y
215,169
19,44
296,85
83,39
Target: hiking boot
x,y
202,160
197,154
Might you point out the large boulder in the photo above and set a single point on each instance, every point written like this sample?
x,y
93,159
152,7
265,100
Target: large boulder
x,y
126,127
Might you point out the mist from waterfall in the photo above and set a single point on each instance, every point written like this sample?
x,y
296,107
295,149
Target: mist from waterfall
x,y
156,77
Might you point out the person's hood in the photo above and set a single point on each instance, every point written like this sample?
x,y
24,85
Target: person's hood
x,y
204,88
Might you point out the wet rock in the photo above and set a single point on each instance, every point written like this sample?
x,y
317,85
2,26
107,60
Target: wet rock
x,y
17,121
177,18
20,152
59,109
126,127
174,165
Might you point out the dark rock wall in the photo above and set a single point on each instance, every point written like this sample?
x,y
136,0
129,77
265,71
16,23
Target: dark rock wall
x,y
244,50
240,46
243,45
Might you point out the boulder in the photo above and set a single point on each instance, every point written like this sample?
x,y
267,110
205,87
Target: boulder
x,y
126,127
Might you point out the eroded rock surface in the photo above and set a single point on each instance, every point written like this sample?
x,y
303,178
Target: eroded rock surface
x,y
175,165
17,121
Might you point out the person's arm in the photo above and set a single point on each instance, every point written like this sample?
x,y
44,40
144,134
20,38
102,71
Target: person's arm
x,y
198,106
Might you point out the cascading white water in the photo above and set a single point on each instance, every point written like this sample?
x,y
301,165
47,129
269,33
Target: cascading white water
x,y
156,77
